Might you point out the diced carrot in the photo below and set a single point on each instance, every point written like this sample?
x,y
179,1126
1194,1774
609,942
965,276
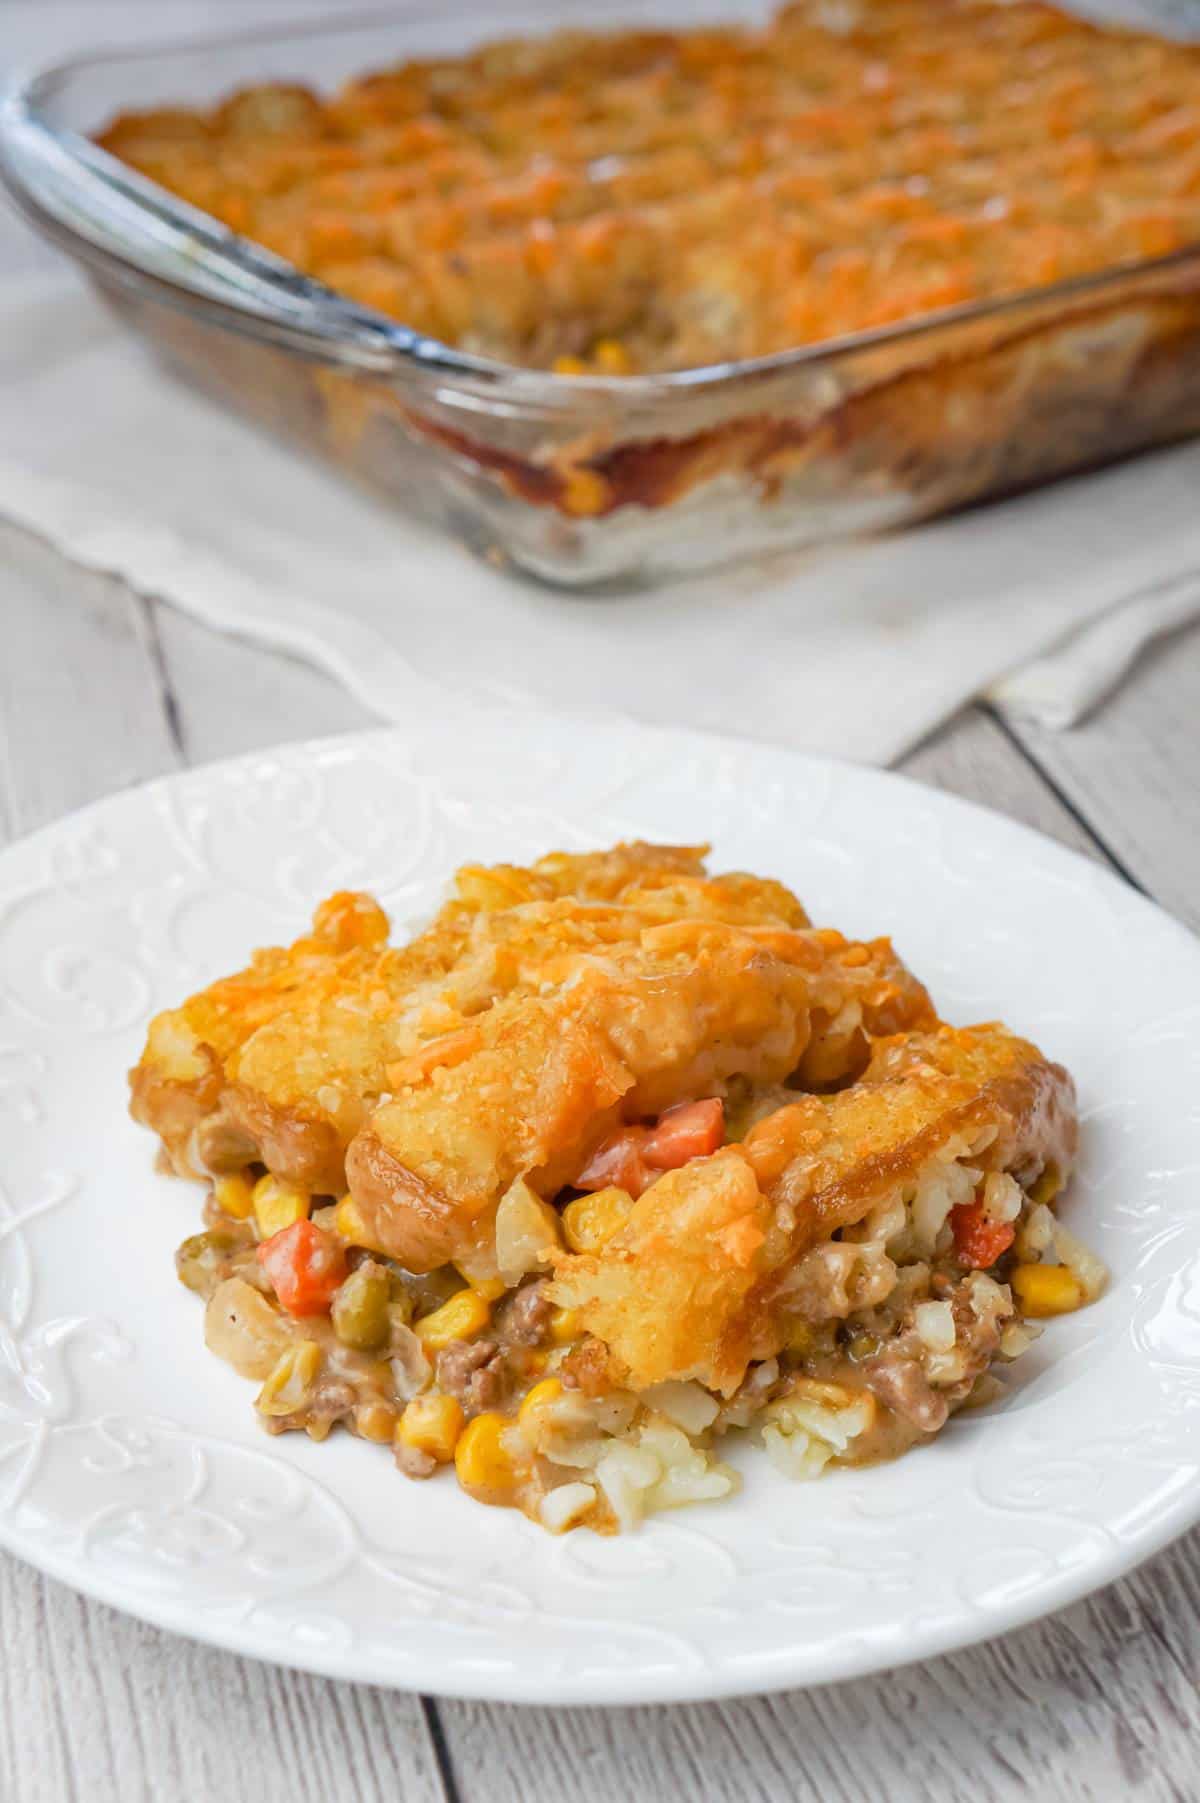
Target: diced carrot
x,y
978,1241
633,1157
306,1267
617,1162
690,1130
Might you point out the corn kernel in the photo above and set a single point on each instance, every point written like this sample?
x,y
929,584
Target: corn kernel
x,y
585,492
464,1315
234,1196
564,1326
482,1459
611,357
536,1402
287,1388
569,366
375,1421
432,1424
278,1205
350,1224
590,1221
1047,1289
490,1288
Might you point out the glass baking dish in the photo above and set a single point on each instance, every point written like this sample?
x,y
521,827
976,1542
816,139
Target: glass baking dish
x,y
590,480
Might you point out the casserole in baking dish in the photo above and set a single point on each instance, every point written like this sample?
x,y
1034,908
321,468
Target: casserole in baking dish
x,y
623,303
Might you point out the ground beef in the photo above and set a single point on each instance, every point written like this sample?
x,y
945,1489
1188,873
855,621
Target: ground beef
x,y
332,1400
897,1375
979,1336
474,1371
589,1368
897,1379
523,1320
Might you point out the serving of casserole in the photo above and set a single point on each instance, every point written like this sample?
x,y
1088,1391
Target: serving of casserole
x,y
612,1159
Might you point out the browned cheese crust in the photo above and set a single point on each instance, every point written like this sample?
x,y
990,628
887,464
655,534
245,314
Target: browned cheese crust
x,y
657,200
282,1062
691,1286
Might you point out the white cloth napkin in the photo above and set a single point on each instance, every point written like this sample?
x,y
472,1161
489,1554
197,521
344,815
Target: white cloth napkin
x,y
856,651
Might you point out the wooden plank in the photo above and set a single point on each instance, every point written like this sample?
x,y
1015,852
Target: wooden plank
x,y
972,757
98,1707
1133,771
81,696
1080,1709
233,697
94,1705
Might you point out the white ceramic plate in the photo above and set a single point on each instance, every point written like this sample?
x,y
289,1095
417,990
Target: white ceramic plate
x,y
130,1464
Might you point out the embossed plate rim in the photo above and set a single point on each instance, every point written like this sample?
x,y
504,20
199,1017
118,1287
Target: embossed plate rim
x,y
637,765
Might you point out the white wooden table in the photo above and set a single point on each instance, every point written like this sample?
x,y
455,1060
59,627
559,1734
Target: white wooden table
x,y
100,688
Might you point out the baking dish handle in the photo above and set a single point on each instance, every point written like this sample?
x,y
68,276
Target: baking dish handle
x,y
64,180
